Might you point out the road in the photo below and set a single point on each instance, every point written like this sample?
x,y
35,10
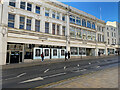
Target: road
x,y
34,76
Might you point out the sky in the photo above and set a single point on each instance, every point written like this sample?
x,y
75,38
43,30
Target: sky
x,y
109,10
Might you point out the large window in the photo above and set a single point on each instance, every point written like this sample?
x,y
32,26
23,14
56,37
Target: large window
x,y
28,24
12,3
88,24
46,27
37,25
82,51
74,51
46,12
22,5
78,33
89,35
93,36
72,19
58,29
84,32
108,34
78,21
93,25
58,15
63,30
108,41
63,18
11,20
22,22
38,9
53,14
53,29
72,32
29,7
84,22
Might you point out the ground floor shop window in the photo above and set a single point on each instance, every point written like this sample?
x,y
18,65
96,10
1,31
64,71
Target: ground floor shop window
x,y
82,51
62,52
55,52
37,52
74,51
46,52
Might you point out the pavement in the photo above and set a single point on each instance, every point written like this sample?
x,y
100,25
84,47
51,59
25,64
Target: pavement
x,y
107,78
38,62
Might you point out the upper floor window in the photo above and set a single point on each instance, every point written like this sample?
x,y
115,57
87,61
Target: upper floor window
x,y
108,41
46,27
58,29
22,22
63,30
78,33
88,24
22,5
38,9
108,34
53,14
63,18
102,29
28,24
72,32
93,25
112,34
84,22
46,12
12,3
11,20
37,25
53,29
78,21
58,15
72,19
29,7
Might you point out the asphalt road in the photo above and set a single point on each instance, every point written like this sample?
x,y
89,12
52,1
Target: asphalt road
x,y
34,76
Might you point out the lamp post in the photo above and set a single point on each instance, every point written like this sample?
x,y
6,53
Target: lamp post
x,y
4,31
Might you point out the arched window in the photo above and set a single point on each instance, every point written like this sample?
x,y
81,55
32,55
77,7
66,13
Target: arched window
x,y
84,22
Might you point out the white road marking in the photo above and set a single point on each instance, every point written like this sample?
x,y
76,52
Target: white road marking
x,y
89,63
65,67
42,78
35,79
98,67
21,74
83,70
46,70
11,78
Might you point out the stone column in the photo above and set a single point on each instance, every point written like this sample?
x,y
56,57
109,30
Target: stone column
x,y
42,24
33,8
67,33
17,21
60,30
3,45
50,27
33,24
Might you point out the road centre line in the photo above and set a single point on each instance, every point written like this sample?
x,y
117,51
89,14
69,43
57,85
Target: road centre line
x,y
21,74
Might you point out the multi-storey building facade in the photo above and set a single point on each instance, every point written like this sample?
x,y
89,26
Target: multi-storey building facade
x,y
113,36
30,28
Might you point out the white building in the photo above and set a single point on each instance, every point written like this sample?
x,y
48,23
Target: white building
x,y
29,28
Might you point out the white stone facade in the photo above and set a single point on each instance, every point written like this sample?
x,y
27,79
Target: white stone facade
x,y
25,26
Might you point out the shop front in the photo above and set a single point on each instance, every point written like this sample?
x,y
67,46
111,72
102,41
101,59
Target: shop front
x,y
15,53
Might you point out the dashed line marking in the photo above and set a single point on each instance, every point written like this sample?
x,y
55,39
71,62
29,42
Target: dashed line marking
x,y
46,70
